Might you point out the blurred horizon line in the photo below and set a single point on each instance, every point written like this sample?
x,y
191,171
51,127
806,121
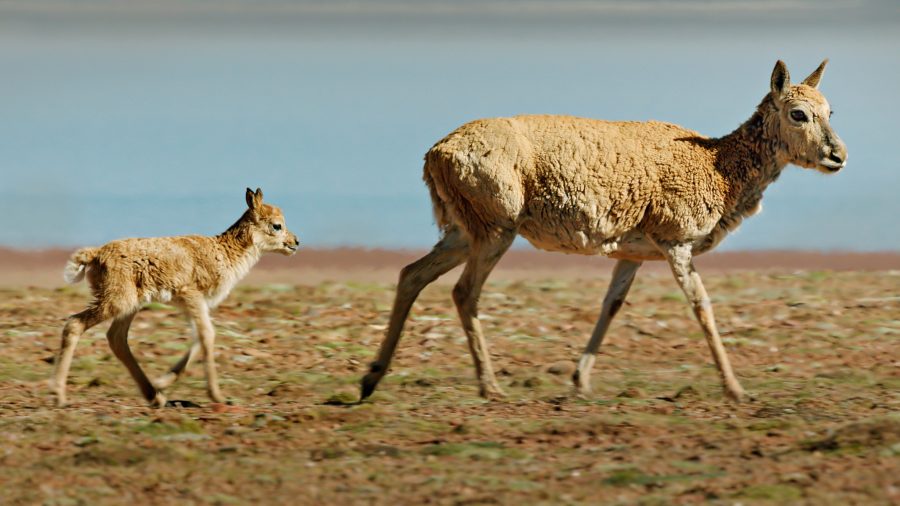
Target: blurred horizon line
x,y
389,15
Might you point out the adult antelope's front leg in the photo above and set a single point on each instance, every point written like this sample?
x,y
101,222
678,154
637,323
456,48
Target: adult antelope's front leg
x,y
680,258
622,277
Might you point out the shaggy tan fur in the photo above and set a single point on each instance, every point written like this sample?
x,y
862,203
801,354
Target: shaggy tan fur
x,y
629,190
194,272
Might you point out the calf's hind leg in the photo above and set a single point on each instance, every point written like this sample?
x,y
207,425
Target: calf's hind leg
x,y
117,335
75,326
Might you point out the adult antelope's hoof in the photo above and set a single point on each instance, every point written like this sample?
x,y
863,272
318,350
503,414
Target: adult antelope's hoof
x,y
582,385
370,380
159,401
368,384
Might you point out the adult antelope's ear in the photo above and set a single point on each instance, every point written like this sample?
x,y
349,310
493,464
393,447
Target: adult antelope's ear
x,y
254,200
816,76
781,79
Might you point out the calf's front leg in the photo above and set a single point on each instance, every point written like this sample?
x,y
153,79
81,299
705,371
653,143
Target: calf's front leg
x,y
198,311
167,379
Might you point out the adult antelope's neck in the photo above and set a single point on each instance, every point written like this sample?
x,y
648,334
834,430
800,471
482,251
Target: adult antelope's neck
x,y
747,157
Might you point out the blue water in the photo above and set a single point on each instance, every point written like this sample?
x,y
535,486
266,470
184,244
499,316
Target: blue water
x,y
135,127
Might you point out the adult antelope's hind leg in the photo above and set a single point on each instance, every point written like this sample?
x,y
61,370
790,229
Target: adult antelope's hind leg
x,y
622,277
680,258
75,326
448,253
482,259
117,336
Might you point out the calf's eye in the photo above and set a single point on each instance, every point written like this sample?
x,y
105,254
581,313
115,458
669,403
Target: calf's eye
x,y
798,115
276,226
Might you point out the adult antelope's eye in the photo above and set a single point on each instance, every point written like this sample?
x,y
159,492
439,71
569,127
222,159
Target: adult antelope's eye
x,y
798,115
276,226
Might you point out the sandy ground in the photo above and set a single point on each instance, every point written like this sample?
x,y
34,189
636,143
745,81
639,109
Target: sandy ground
x,y
816,348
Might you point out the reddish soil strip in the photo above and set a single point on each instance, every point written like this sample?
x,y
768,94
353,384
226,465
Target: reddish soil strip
x,y
310,266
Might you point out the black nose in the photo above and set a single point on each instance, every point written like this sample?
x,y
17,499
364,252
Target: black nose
x,y
834,157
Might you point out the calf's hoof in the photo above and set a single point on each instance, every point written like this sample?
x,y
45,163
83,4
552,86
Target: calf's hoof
x,y
165,380
492,392
735,394
217,396
59,395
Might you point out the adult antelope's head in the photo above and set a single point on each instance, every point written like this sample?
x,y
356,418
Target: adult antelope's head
x,y
801,120
267,225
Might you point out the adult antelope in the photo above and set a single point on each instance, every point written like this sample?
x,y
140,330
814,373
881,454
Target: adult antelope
x,y
633,191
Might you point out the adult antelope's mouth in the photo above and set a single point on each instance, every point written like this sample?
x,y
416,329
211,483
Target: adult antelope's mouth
x,y
833,162
830,166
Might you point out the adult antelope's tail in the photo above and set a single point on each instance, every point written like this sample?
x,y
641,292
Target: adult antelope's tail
x,y
441,212
75,267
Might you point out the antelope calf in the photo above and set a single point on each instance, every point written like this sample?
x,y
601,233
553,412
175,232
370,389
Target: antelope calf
x,y
193,272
